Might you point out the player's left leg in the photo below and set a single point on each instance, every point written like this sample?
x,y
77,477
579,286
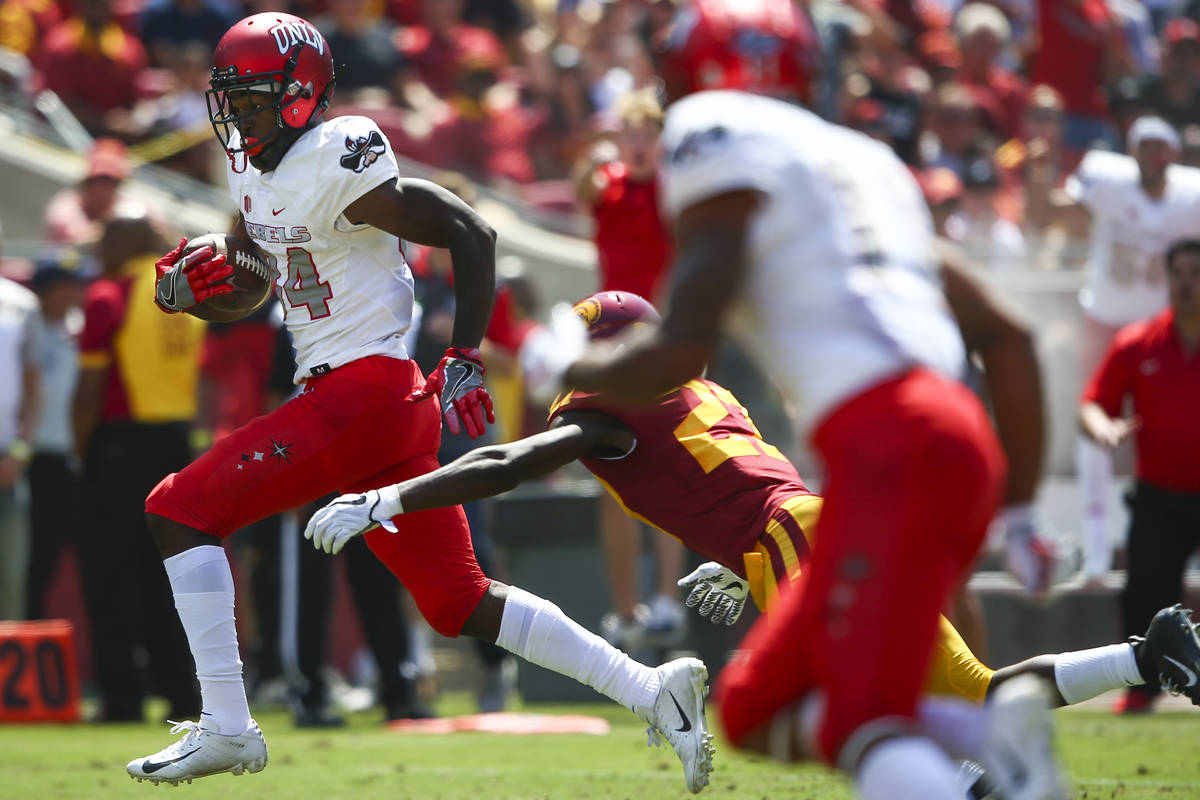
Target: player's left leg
x,y
896,532
433,557
347,425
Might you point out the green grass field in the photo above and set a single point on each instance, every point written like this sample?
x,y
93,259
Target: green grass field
x,y
1107,757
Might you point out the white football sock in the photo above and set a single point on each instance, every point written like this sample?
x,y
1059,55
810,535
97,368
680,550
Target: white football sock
x,y
907,769
539,632
1094,465
1084,674
955,725
203,589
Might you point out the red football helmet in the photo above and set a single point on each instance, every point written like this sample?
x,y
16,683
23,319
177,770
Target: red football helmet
x,y
278,54
608,313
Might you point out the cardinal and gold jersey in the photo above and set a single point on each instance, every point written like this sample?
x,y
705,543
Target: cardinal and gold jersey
x,y
700,471
346,289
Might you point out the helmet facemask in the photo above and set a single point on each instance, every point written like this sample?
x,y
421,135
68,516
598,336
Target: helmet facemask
x,y
264,153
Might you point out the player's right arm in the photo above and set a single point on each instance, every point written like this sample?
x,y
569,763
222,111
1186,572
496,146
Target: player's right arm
x,y
425,213
1014,381
484,472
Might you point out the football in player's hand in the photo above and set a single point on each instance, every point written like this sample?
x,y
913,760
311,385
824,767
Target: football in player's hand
x,y
253,274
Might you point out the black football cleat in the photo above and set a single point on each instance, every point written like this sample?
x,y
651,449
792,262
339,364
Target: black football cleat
x,y
1169,655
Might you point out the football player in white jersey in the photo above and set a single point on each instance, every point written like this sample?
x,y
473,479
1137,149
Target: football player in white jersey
x,y
325,200
812,243
1134,208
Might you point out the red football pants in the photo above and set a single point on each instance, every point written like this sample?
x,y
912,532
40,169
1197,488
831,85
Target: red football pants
x,y
351,430
914,474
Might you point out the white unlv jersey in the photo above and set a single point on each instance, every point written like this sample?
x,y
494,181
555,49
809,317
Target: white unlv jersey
x,y
346,289
1130,234
842,288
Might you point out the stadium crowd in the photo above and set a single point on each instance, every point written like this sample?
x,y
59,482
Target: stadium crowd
x,y
994,106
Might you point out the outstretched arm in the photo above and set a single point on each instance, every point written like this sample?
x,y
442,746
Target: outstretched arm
x,y
707,275
489,471
481,473
1014,381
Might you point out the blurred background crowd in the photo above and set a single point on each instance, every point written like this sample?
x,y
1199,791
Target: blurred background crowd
x,y
552,109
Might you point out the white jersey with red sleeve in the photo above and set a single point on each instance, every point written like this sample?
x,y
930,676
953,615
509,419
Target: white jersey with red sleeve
x,y
1130,234
346,290
842,287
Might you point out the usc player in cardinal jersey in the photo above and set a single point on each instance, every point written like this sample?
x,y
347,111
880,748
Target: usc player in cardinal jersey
x,y
694,466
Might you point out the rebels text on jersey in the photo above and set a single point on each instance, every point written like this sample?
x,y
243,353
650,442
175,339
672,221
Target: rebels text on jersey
x,y
698,470
346,290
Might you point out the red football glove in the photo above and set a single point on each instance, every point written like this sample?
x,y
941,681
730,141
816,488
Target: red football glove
x,y
458,381
182,283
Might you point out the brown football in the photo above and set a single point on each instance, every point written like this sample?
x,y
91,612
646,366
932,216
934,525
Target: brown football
x,y
253,275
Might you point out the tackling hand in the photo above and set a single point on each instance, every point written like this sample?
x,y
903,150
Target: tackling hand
x,y
345,517
183,282
458,381
718,591
546,355
1032,553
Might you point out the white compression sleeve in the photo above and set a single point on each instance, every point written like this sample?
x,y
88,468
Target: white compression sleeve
x,y
203,587
539,632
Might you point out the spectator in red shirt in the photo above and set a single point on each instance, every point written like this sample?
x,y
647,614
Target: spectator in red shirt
x,y
1081,47
436,50
93,65
983,33
1156,362
486,133
632,242
132,407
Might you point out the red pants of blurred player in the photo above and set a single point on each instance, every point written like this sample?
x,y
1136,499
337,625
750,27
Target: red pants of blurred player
x,y
351,430
913,477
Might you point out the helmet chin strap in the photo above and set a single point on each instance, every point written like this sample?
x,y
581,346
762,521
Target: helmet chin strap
x,y
275,148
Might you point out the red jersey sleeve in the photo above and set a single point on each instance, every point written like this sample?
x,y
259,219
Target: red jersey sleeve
x,y
1113,379
103,309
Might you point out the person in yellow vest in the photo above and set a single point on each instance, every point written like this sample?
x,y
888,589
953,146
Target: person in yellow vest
x,y
133,409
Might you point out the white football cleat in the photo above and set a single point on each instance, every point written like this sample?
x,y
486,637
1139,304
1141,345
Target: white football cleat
x,y
202,752
1018,746
678,717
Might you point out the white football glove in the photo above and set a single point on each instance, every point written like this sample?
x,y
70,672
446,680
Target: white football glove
x,y
1033,553
345,517
546,353
718,591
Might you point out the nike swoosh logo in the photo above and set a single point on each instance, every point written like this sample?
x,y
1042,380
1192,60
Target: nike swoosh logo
x,y
1186,671
149,767
169,293
687,723
463,374
358,501
275,213
731,585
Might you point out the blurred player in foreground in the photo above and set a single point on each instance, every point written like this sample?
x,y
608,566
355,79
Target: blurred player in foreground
x,y
694,466
324,200
812,241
